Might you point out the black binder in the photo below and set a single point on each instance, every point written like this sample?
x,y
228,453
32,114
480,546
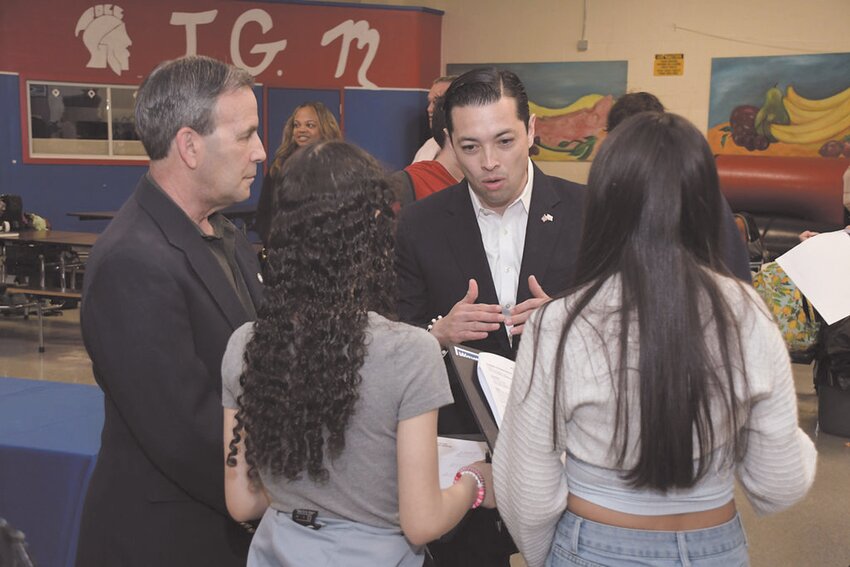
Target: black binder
x,y
464,362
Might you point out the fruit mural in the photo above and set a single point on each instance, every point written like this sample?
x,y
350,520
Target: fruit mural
x,y
781,106
571,101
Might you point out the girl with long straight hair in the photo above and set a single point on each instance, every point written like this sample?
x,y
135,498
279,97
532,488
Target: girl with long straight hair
x,y
658,378
330,407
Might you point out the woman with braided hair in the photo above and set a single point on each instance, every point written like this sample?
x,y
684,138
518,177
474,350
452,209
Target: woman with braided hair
x,y
331,407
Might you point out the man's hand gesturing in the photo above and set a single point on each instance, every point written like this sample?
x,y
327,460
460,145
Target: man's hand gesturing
x,y
521,312
468,321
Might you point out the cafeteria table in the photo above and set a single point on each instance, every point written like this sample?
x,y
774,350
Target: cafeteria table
x,y
243,215
49,440
93,215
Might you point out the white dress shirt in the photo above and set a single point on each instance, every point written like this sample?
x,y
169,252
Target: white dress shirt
x,y
504,238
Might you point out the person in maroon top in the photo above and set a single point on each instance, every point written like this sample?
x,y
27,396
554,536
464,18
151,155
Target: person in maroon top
x,y
426,177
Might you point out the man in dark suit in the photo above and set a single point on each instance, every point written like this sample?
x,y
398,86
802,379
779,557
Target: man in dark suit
x,y
475,259
167,283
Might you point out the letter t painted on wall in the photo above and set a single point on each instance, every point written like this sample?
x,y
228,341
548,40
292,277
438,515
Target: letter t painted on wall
x,y
192,20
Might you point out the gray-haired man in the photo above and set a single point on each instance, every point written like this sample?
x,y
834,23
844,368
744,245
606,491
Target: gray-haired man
x,y
167,283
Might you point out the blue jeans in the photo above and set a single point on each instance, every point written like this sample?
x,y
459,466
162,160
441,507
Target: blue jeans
x,y
580,542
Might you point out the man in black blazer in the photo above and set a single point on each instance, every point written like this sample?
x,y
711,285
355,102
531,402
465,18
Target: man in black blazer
x,y
475,259
167,283
443,264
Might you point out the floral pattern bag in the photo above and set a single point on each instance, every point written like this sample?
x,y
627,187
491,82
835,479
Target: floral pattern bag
x,y
793,314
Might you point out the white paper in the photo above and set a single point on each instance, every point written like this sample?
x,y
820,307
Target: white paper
x,y
820,267
456,453
495,374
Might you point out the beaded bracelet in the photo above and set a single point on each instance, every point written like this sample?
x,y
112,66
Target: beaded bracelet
x,y
433,322
430,327
479,480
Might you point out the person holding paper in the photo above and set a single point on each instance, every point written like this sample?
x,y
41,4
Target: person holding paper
x,y
658,378
475,259
806,234
330,407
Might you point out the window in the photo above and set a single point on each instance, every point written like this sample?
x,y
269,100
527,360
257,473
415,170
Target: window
x,y
83,121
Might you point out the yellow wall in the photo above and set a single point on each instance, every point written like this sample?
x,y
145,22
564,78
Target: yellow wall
x,y
478,31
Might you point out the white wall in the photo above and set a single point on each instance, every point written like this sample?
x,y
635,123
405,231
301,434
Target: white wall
x,y
635,30
479,31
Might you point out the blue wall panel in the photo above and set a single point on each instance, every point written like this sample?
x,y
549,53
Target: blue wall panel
x,y
389,124
54,190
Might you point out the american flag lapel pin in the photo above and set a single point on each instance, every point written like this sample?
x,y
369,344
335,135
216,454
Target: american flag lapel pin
x,y
547,218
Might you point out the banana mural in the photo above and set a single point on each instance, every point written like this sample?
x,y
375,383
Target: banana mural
x,y
813,121
821,125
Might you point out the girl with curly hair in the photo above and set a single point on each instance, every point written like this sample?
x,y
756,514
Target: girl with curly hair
x,y
330,416
309,123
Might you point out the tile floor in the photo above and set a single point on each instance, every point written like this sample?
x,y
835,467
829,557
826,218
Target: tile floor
x,y
815,533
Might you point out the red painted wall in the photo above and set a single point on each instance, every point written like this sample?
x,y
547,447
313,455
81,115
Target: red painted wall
x,y
387,48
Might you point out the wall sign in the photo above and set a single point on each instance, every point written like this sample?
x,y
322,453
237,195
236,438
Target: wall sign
x,y
669,64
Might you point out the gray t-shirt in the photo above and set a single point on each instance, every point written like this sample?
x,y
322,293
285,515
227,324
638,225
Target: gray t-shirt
x,y
403,377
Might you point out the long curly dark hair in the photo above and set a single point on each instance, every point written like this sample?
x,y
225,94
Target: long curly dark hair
x,y
330,261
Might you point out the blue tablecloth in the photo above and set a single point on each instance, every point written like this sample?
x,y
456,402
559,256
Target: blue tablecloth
x,y
49,440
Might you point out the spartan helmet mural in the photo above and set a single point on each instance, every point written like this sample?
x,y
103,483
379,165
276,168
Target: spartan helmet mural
x,y
105,36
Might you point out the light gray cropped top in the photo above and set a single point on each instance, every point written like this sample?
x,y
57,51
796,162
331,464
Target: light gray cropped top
x,y
606,487
532,482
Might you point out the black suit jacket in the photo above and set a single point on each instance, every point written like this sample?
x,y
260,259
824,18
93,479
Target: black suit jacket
x,y
439,249
156,315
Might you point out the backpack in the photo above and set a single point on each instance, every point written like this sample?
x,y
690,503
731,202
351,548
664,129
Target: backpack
x,y
832,379
794,315
755,244
11,212
832,364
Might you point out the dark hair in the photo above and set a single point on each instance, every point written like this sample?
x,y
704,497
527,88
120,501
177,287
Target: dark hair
x,y
651,219
330,261
630,104
183,92
328,130
438,121
485,85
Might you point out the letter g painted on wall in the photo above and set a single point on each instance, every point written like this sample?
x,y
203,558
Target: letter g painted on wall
x,y
270,49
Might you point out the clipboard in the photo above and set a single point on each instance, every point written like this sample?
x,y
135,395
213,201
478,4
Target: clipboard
x,y
464,362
